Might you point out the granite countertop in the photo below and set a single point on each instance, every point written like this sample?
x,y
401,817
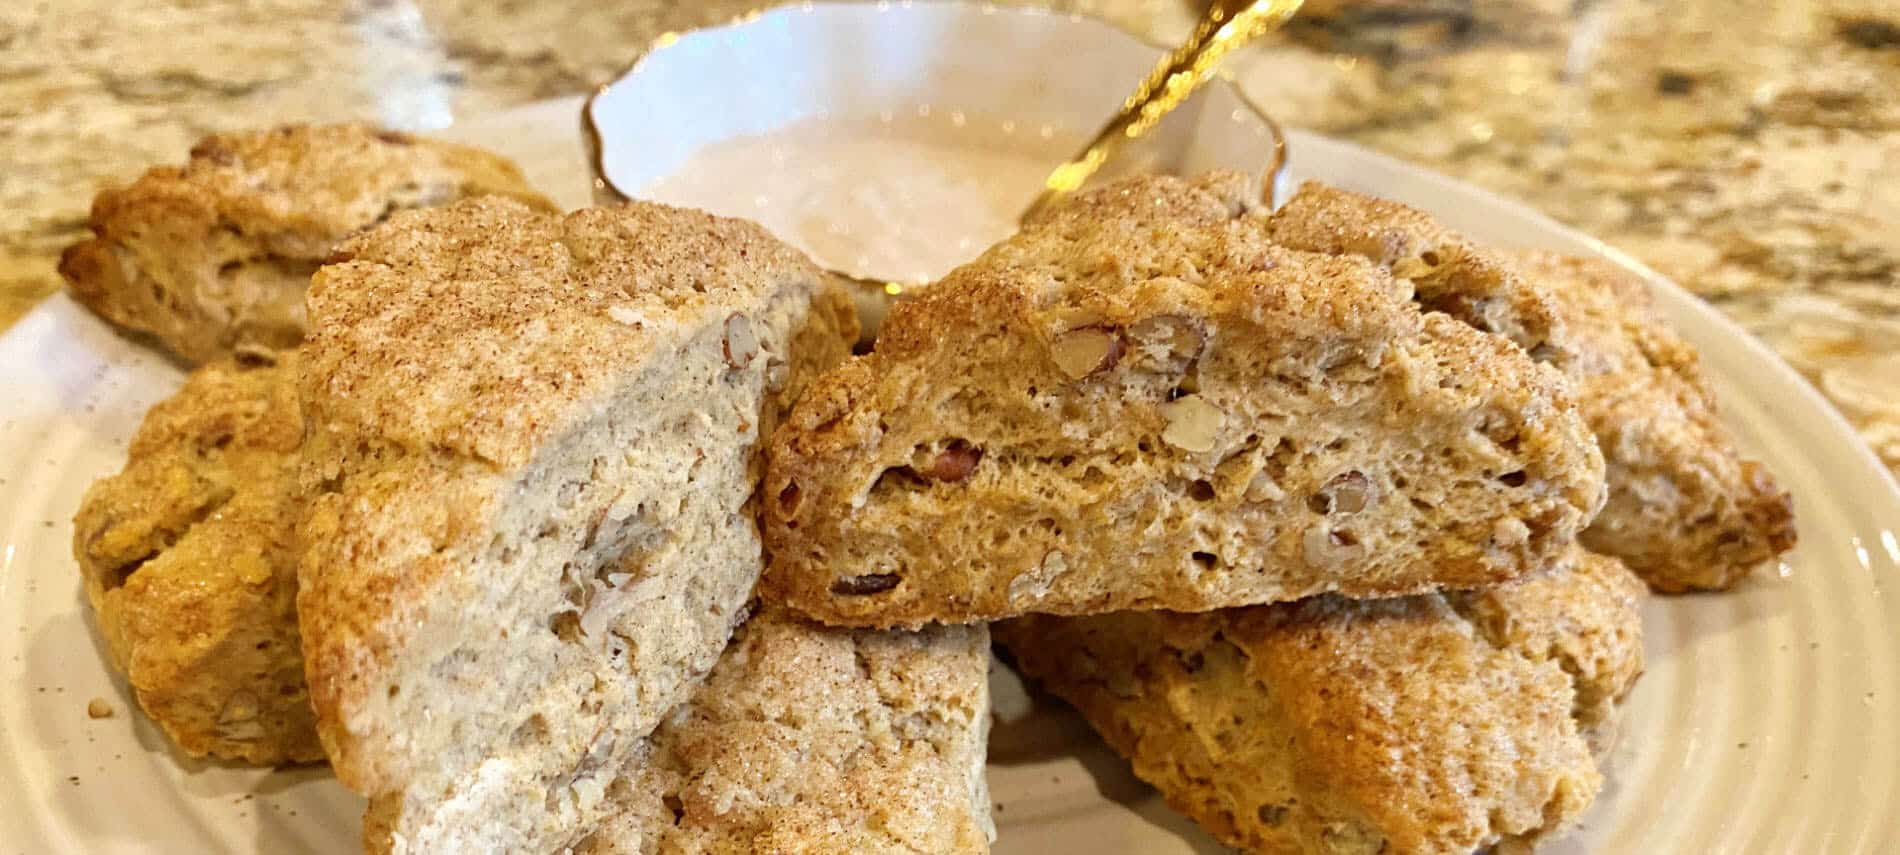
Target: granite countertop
x,y
1750,151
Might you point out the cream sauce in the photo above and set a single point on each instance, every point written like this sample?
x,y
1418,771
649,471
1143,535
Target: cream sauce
x,y
903,199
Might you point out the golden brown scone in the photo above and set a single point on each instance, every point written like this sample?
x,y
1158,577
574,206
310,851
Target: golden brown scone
x,y
531,447
1430,724
189,561
1686,511
1448,273
812,740
213,257
1141,402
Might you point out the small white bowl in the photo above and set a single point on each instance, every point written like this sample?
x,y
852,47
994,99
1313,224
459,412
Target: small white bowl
x,y
848,64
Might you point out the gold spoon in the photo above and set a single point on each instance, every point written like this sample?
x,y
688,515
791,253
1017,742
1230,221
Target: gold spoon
x,y
1224,27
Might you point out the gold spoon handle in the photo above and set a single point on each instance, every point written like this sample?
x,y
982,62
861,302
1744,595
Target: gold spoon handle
x,y
1227,25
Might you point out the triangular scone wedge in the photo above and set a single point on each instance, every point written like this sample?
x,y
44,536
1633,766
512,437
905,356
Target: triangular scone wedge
x,y
212,257
531,443
189,561
809,739
1444,723
1141,402
1686,510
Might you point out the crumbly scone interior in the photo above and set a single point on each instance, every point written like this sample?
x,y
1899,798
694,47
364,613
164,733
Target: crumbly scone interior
x,y
1120,410
599,568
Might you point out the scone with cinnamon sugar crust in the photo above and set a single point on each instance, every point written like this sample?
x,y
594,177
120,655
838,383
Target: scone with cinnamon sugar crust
x,y
808,739
1686,510
531,451
189,560
213,256
1443,723
1140,401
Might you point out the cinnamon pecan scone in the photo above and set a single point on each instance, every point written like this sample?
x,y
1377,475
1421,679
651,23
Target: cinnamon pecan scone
x,y
1443,723
531,447
1686,510
213,256
807,739
1141,402
189,561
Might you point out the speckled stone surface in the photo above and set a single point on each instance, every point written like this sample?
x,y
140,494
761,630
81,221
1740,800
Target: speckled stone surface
x,y
1751,151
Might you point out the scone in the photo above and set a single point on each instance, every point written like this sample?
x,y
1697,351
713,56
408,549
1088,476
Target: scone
x,y
1140,402
1445,272
213,257
812,740
1686,510
530,443
189,562
1431,724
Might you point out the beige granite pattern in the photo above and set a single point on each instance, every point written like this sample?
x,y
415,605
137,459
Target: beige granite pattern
x,y
1751,151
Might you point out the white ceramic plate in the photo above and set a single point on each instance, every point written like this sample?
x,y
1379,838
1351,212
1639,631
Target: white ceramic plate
x,y
1766,721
